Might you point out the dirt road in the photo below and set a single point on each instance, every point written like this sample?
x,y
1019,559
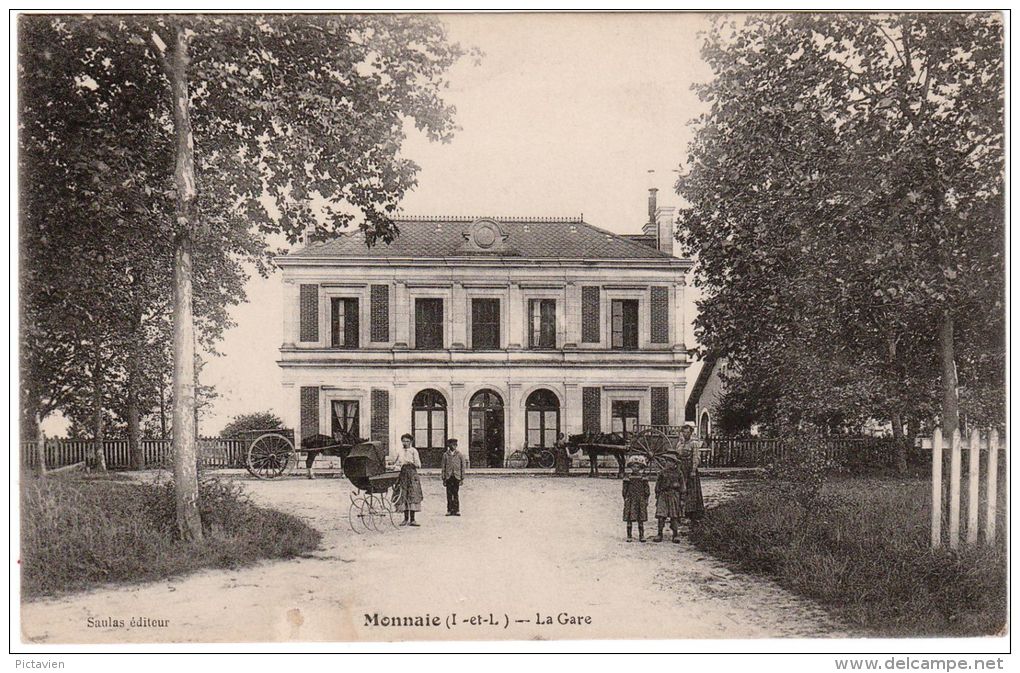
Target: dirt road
x,y
531,558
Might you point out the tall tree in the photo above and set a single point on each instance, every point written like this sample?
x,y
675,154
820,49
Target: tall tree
x,y
304,112
845,188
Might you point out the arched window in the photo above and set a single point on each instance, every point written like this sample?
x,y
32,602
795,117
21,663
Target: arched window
x,y
542,418
428,419
706,425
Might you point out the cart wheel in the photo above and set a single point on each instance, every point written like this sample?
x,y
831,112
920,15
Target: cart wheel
x,y
546,459
269,455
517,460
650,443
388,508
356,515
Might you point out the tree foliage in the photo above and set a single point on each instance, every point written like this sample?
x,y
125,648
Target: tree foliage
x,y
259,420
846,191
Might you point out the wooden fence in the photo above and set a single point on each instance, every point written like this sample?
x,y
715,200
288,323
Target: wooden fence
x,y
984,454
213,452
758,452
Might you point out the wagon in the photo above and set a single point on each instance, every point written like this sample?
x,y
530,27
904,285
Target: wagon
x,y
650,443
268,453
371,503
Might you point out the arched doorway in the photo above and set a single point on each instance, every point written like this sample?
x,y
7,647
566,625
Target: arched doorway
x,y
542,419
485,421
705,426
428,426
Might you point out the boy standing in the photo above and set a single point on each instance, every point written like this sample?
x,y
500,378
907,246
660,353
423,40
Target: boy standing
x,y
453,474
635,500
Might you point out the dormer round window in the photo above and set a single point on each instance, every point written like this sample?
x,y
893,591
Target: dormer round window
x,y
485,236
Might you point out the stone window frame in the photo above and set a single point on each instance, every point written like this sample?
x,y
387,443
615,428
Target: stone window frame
x,y
503,295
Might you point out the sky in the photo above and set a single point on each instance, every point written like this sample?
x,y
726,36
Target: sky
x,y
563,115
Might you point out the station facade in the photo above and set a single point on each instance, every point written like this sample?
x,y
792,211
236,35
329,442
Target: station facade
x,y
500,332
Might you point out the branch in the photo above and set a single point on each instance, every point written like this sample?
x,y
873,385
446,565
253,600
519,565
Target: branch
x,y
893,43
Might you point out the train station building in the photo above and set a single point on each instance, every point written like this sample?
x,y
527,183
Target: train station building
x,y
501,332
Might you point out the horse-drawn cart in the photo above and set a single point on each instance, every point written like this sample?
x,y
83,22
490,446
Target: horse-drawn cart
x,y
268,453
650,443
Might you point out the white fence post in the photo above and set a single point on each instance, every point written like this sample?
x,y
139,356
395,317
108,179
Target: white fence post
x,y
954,491
974,485
936,489
992,490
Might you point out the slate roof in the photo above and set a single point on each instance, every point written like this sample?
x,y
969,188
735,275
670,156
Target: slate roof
x,y
440,237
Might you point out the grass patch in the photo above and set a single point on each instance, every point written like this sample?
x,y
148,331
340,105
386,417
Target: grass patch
x,y
83,532
862,551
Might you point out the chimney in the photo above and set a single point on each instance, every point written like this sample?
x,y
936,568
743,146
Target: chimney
x,y
650,228
665,223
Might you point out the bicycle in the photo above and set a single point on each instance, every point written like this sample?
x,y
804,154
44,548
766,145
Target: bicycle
x,y
531,457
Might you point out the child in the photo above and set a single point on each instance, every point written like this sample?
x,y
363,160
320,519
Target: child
x,y
635,500
669,492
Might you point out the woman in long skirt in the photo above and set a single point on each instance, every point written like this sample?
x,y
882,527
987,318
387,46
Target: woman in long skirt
x,y
407,495
690,456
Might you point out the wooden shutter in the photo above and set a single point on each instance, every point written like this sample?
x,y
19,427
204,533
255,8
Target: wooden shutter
x,y
309,411
309,313
380,309
591,410
548,337
352,323
590,318
380,417
660,406
660,315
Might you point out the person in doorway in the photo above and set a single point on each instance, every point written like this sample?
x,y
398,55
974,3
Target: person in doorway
x,y
453,466
635,500
407,495
562,456
690,457
669,493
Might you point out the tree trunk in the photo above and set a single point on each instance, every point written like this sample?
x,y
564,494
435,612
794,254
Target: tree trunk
x,y
162,410
98,429
189,523
899,442
950,394
133,411
31,430
900,449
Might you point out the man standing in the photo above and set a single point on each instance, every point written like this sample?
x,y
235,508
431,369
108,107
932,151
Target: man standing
x,y
453,473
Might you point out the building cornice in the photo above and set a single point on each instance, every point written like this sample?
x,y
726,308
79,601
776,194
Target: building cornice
x,y
659,264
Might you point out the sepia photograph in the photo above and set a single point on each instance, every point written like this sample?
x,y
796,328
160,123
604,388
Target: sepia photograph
x,y
391,327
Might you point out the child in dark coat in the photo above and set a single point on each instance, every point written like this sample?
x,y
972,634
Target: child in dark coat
x,y
635,501
669,494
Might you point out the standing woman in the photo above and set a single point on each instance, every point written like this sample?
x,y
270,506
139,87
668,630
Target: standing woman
x,y
690,456
407,494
